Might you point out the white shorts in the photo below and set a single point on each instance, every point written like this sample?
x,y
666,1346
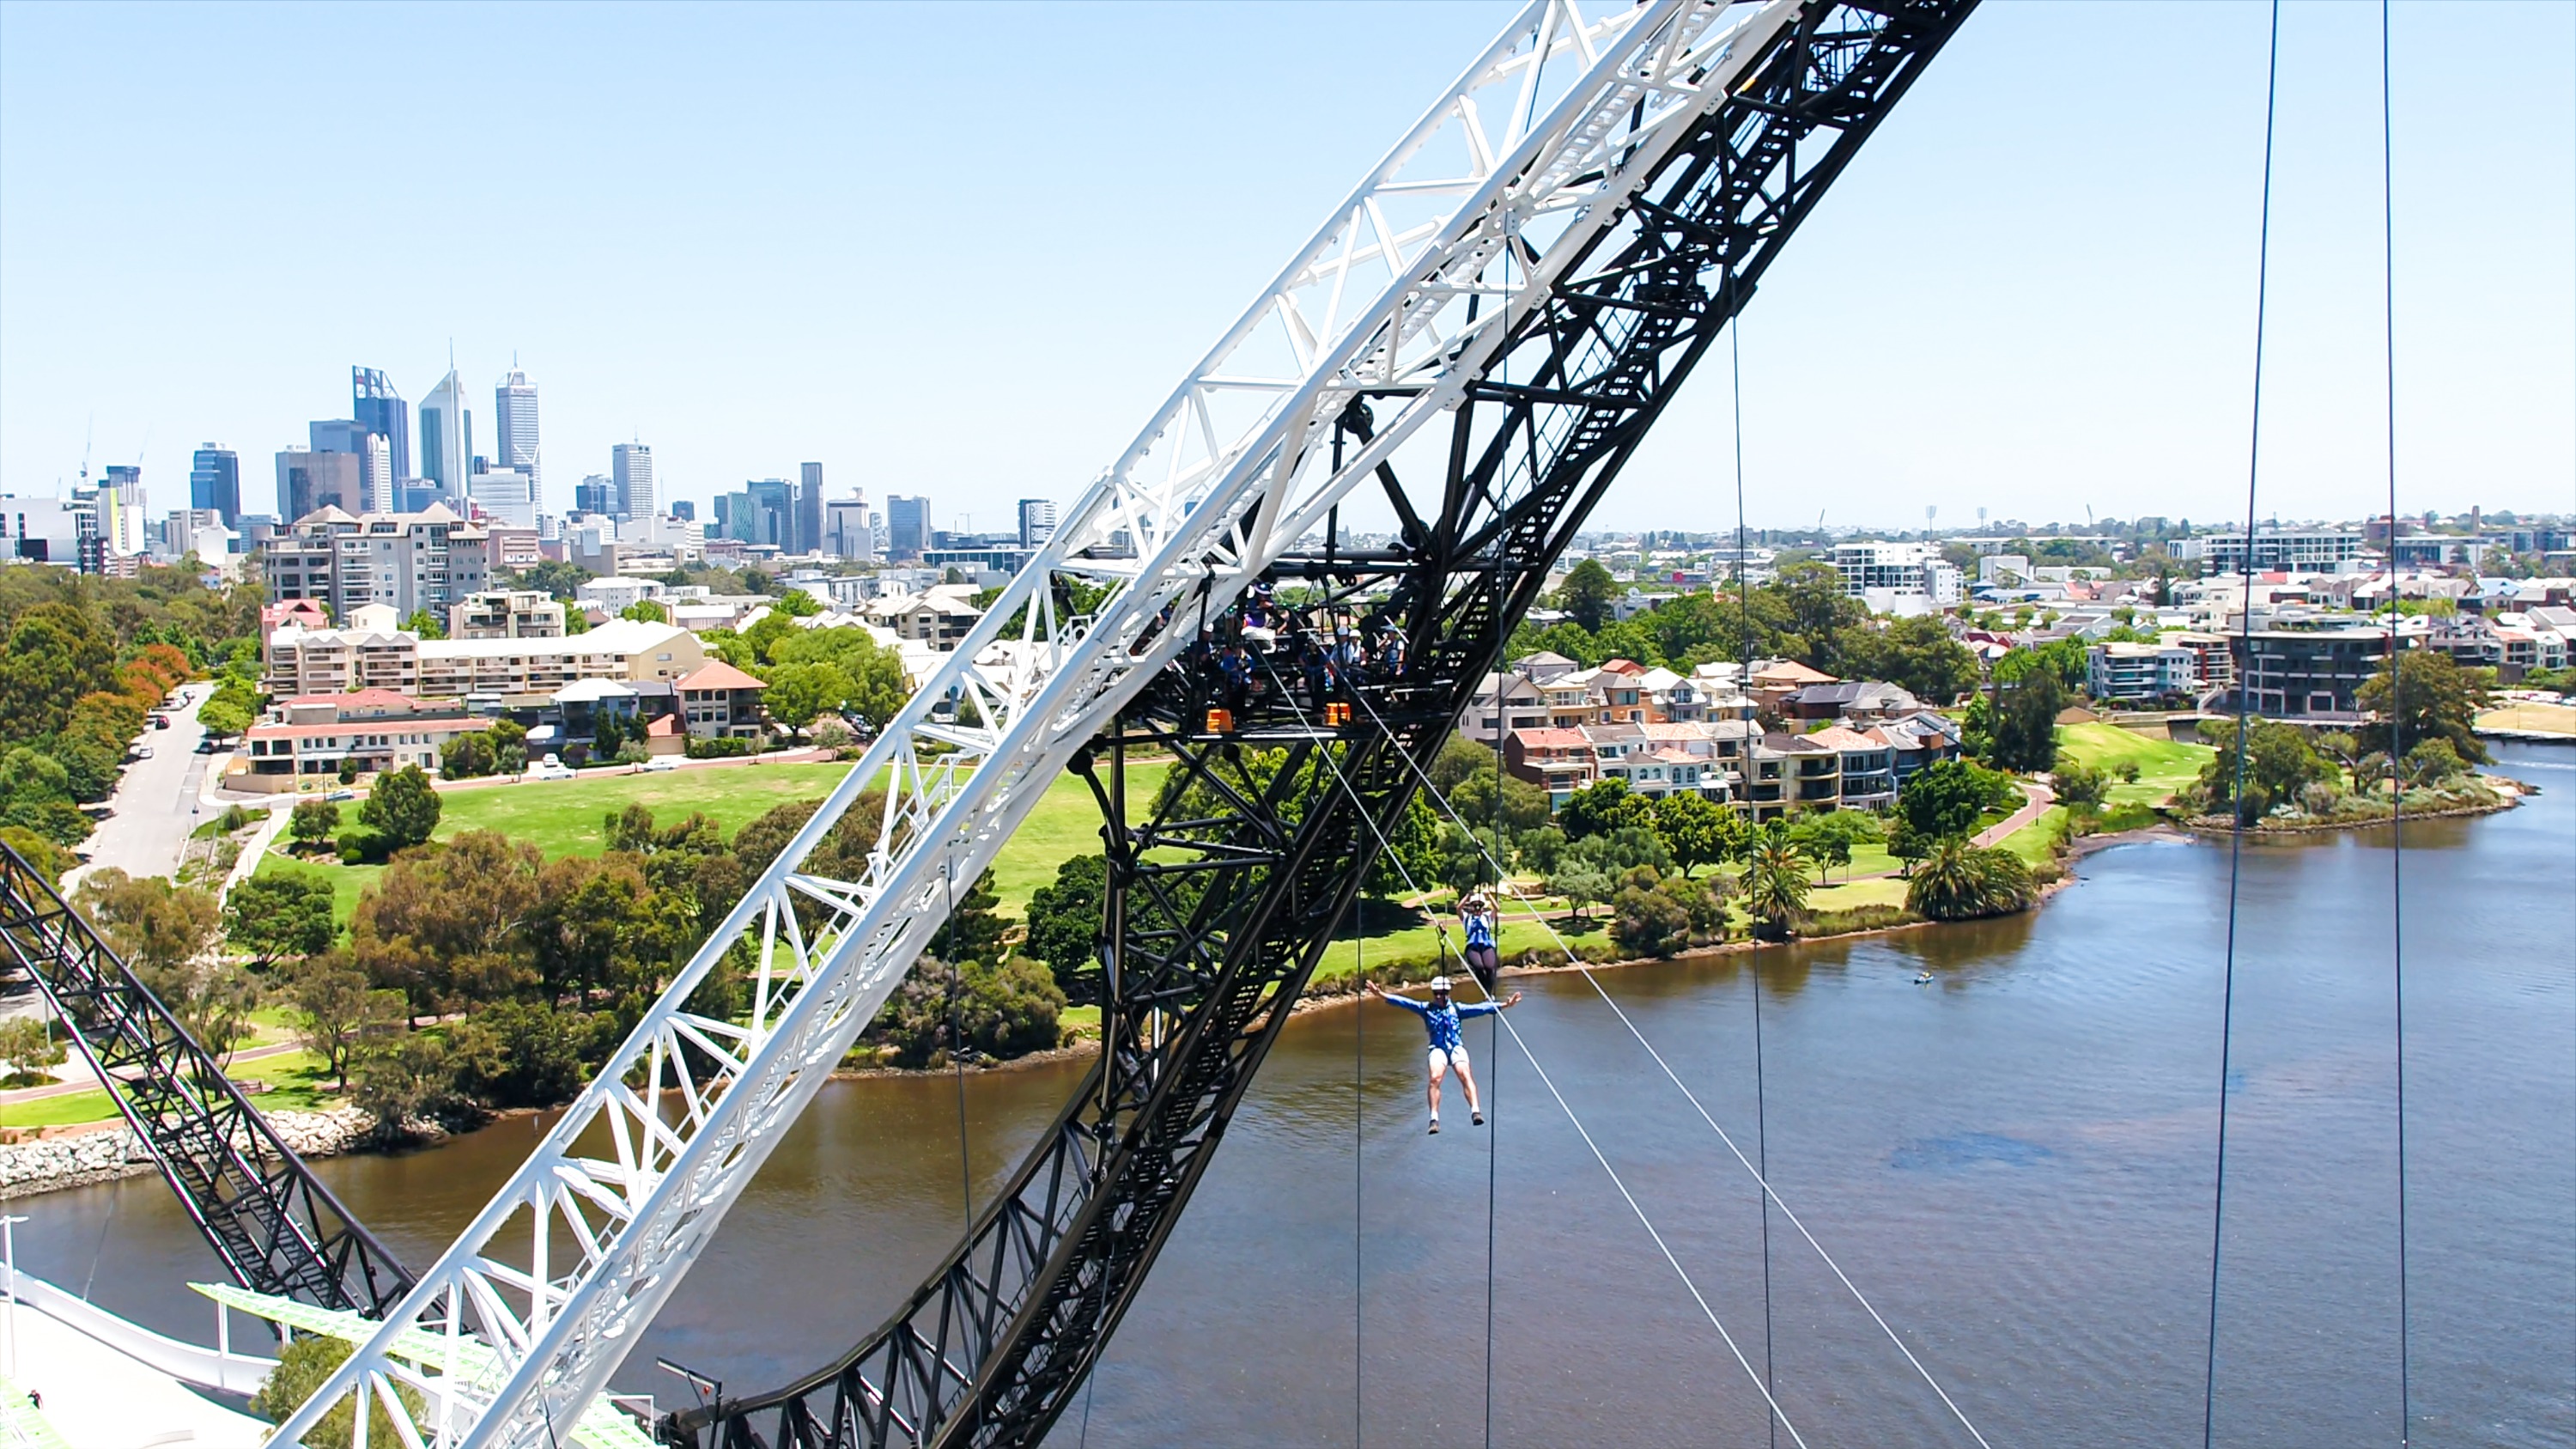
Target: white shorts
x,y
1443,1058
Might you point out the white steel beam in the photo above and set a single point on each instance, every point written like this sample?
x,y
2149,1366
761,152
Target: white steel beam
x,y
1541,143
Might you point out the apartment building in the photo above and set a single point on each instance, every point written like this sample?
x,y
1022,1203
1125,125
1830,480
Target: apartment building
x,y
2308,673
511,673
405,561
1898,578
2140,672
505,614
314,737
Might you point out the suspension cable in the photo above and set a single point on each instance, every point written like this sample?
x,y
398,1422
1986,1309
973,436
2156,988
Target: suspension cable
x,y
2396,721
1360,808
1359,1166
1770,1194
2236,801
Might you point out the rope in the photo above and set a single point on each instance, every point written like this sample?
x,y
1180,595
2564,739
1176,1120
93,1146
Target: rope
x,y
2396,723
956,1046
1744,682
1770,1195
1359,1160
2236,829
1360,809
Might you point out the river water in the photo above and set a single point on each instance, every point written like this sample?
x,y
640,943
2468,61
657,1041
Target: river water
x,y
2014,1163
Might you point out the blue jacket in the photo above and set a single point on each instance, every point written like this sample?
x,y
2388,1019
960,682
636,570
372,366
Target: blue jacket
x,y
1441,1021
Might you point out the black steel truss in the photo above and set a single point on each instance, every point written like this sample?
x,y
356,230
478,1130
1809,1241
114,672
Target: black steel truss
x,y
276,1228
1224,898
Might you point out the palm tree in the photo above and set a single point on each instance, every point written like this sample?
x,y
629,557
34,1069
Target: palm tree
x,y
1959,882
1774,891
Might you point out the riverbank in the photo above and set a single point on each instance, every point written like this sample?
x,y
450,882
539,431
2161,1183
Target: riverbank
x,y
2503,794
59,1157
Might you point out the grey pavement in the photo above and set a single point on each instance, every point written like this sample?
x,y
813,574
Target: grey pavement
x,y
157,801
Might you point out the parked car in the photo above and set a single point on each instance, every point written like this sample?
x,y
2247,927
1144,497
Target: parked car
x,y
160,721
657,763
143,752
551,767
341,795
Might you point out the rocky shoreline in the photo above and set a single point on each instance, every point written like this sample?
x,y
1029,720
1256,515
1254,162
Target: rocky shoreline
x,y
102,1153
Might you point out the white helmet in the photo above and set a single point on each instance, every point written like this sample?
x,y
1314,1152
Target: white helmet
x,y
1439,983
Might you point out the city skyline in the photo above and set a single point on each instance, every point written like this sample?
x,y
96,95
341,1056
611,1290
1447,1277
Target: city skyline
x,y
2071,326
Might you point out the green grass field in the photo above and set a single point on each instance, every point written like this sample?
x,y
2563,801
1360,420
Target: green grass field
x,y
568,817
295,1084
2164,766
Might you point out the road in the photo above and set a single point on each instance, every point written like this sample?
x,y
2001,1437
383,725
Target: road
x,y
157,801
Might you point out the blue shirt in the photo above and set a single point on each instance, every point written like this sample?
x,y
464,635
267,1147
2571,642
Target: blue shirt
x,y
1441,1021
1480,929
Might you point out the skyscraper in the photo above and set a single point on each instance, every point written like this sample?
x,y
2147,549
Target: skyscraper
x,y
1037,521
809,508
381,410
375,461
773,514
845,529
214,482
514,403
907,526
631,465
308,480
446,439
595,494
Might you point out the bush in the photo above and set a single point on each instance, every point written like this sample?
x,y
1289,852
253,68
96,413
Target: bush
x,y
2081,786
1960,882
520,1054
718,749
303,1366
1858,918
1000,1011
363,847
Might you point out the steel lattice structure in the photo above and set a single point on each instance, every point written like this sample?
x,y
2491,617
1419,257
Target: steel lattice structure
x,y
1581,212
276,1228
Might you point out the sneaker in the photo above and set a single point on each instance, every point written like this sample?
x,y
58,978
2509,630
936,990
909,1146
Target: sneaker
x,y
1435,1126
1480,1119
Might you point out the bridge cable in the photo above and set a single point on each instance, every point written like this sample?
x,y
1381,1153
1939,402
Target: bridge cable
x,y
2236,800
1545,1080
1744,685
1359,1166
1769,1193
2396,723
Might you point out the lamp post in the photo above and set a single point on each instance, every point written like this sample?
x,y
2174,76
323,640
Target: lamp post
x,y
9,1253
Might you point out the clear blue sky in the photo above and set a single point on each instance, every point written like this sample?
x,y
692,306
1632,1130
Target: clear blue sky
x,y
962,251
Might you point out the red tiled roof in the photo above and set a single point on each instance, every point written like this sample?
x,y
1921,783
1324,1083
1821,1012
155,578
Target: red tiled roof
x,y
1790,671
1838,738
361,699
451,726
1623,666
1552,739
716,674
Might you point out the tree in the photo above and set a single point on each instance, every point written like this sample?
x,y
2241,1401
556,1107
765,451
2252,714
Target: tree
x,y
972,932
36,796
402,808
2434,762
1586,595
1601,807
1959,881
645,611
227,712
403,1080
313,821
281,913
1521,805
2080,785
1774,889
1461,859
338,1016
1064,925
2025,723
468,756
426,624
1002,1009
607,735
27,1047
450,924
1648,922
1695,829
2431,698
1917,654
798,693
158,927
2276,767
1947,797
519,1054
48,859
57,652
553,577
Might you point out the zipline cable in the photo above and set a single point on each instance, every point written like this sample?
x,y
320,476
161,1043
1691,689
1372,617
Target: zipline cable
x,y
1770,1194
1360,808
2396,721
2236,800
1359,1163
1744,685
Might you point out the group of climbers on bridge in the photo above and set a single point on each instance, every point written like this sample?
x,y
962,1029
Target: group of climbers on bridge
x,y
1332,652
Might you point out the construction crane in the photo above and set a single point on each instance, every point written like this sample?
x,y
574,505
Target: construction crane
x,y
1534,268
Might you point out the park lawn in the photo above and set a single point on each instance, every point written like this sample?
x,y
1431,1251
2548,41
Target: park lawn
x,y
2036,842
1063,824
1881,891
2552,719
2164,766
68,1110
568,817
1520,934
297,1081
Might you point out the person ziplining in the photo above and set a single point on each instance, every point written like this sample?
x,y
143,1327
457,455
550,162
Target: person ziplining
x,y
1483,927
1441,1018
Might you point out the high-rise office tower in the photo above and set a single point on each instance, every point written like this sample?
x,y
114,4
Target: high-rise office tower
x,y
630,465
772,514
845,529
683,510
308,480
514,402
1037,521
119,507
594,494
809,508
907,526
375,404
375,461
446,438
214,482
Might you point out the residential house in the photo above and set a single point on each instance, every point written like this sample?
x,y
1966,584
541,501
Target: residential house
x,y
1918,740
1812,771
505,614
1503,703
1866,769
719,701
1858,699
2141,672
1557,761
1544,665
